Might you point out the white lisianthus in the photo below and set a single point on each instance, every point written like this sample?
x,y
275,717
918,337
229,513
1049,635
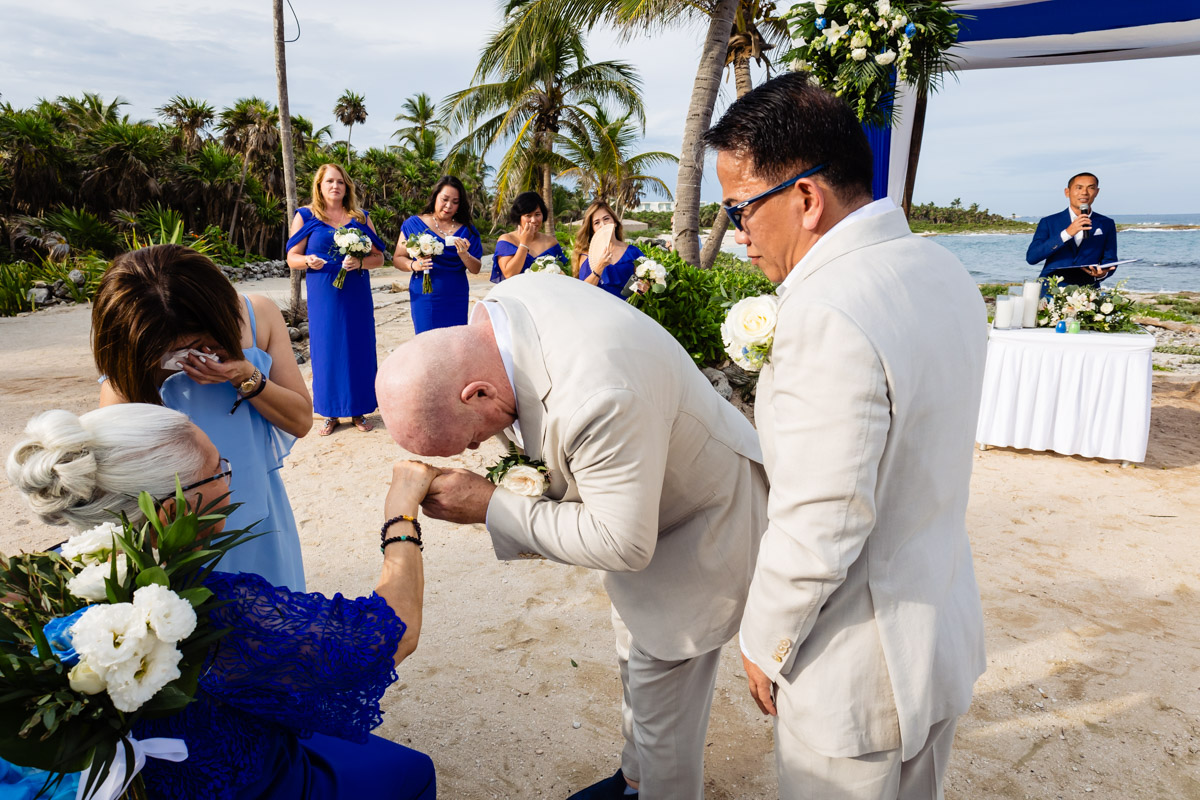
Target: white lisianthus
x,y
170,616
819,6
859,54
751,321
133,683
885,58
524,480
86,680
1107,308
860,39
110,635
426,241
89,583
93,546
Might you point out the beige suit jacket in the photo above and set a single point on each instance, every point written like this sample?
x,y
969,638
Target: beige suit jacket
x,y
655,479
864,605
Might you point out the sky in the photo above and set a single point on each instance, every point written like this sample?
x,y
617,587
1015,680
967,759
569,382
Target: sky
x,y
1006,139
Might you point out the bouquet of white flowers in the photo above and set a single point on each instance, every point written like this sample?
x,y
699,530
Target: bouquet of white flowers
x,y
648,276
748,331
1094,308
550,265
349,242
113,629
424,244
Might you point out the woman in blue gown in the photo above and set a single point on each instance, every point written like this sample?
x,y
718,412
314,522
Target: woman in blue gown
x,y
615,270
287,698
516,251
158,314
341,322
447,216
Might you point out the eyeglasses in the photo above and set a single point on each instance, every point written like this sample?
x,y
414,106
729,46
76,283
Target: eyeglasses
x,y
226,471
735,212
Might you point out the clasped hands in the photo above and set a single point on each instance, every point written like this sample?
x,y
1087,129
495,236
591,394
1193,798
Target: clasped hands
x,y
453,495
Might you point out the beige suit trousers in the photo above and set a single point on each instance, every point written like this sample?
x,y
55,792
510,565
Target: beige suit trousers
x,y
664,717
807,775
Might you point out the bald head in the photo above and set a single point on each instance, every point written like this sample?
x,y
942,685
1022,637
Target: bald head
x,y
445,390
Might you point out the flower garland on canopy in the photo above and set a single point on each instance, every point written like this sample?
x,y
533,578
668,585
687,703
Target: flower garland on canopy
x,y
853,48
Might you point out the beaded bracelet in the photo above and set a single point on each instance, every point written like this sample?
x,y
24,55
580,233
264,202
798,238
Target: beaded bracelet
x,y
384,541
414,539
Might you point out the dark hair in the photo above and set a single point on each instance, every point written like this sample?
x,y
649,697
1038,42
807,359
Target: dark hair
x,y
147,299
1083,175
526,203
788,125
463,215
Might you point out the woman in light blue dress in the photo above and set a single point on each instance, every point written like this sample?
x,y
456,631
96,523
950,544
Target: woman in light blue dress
x,y
169,329
516,251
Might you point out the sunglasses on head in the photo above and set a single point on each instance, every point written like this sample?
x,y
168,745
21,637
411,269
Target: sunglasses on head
x,y
735,212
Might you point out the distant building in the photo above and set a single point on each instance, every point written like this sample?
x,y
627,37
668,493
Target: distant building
x,y
656,205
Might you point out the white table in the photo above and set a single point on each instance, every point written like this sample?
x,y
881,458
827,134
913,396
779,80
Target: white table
x,y
1084,393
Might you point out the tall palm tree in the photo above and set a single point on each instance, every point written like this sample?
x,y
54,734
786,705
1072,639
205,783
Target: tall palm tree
x,y
122,164
90,111
351,109
249,127
211,180
37,160
420,114
527,93
190,118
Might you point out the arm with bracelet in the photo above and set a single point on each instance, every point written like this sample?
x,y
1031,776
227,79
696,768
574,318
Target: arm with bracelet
x,y
402,581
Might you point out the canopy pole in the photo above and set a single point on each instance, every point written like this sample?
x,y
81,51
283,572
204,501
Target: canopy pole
x,y
914,151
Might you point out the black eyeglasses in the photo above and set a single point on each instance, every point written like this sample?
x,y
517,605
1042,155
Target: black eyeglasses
x,y
735,212
226,471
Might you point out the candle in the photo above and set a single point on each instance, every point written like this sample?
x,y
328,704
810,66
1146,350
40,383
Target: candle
x,y
1003,318
1017,304
1061,327
1032,294
1072,325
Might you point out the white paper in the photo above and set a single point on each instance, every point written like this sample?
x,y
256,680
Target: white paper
x,y
450,241
171,360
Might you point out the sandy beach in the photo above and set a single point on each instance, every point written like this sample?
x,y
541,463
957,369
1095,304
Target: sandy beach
x,y
1090,577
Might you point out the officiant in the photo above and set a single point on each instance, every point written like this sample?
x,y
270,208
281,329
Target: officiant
x,y
1076,239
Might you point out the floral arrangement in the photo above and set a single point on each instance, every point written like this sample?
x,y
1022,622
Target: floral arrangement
x,y
1095,309
853,48
648,276
349,242
550,265
112,629
420,245
749,331
520,474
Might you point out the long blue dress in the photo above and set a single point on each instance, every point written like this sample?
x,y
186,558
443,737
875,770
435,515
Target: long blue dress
x,y
446,305
506,249
341,324
286,701
617,274
255,449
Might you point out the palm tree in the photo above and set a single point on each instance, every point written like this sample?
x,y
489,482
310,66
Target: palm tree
x,y
90,111
527,93
424,130
37,159
304,135
350,109
190,118
210,181
122,163
250,127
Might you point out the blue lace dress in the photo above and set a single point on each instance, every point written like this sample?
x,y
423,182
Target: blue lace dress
x,y
446,305
617,274
506,249
286,702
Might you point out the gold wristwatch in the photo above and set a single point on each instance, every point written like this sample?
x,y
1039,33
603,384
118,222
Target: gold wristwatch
x,y
247,386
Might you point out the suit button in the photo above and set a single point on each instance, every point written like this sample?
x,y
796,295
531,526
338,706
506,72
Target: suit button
x,y
778,658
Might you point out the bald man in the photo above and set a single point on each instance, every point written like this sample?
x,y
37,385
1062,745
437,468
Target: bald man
x,y
655,480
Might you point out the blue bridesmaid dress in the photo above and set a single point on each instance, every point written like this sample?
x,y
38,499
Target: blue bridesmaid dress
x,y
286,702
255,449
617,274
446,305
341,324
506,249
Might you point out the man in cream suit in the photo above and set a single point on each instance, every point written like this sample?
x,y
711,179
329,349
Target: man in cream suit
x,y
654,480
863,631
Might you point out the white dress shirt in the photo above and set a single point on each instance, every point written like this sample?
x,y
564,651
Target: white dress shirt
x,y
880,206
503,334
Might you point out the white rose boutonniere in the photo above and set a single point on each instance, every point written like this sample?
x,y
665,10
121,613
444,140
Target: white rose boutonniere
x,y
520,474
749,331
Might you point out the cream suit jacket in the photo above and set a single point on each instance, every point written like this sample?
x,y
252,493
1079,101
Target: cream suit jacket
x,y
864,606
655,479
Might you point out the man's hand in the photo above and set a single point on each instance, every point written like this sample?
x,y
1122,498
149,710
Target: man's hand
x,y
458,495
1098,272
1080,223
410,481
760,686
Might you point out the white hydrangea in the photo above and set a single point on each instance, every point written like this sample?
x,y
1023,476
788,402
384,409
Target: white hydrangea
x,y
93,546
859,54
885,58
171,618
134,682
89,583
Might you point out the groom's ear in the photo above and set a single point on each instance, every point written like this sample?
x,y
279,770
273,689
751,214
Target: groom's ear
x,y
477,390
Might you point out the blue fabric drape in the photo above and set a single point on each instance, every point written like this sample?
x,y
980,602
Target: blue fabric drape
x,y
881,148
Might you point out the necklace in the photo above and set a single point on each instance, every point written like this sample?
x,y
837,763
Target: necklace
x,y
437,227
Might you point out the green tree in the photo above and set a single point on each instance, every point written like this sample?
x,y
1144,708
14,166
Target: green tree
x,y
123,161
423,131
191,119
350,110
250,127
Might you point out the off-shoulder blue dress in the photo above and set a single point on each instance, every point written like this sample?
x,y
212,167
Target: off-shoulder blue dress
x,y
506,249
341,324
446,305
286,703
617,274
256,449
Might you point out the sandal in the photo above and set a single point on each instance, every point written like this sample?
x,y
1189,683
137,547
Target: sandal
x,y
362,424
327,428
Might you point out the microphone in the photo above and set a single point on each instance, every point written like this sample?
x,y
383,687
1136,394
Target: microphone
x,y
1085,210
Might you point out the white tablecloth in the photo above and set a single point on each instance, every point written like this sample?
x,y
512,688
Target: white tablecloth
x,y
1084,394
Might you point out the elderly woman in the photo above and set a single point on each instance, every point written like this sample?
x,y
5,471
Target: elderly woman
x,y
341,322
287,698
616,266
168,328
516,251
447,219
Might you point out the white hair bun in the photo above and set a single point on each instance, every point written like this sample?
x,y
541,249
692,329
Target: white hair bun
x,y
53,465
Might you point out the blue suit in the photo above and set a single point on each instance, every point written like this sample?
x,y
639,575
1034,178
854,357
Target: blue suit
x,y
1099,246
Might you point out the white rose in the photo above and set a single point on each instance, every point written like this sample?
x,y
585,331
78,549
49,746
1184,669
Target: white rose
x,y
1107,308
413,252
885,58
524,480
92,546
89,583
85,679
110,635
859,54
860,39
133,683
751,320
170,616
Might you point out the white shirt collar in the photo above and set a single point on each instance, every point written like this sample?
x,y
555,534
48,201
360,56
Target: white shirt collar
x,y
503,335
881,206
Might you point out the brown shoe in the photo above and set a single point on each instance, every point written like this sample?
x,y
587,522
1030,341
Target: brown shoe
x,y
362,424
327,428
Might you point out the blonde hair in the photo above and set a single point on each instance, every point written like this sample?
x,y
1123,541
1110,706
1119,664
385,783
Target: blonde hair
x,y
81,470
583,239
349,200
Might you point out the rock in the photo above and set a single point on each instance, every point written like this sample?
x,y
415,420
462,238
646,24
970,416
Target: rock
x,y
38,295
60,290
304,329
77,277
295,334
719,382
39,284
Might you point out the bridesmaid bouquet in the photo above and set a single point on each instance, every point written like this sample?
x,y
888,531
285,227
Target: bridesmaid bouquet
x,y
648,276
424,244
550,265
112,629
349,242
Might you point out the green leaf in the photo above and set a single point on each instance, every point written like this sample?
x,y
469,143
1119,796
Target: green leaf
x,y
153,575
573,664
195,595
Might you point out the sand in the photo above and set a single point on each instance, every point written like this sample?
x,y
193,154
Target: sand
x,y
1090,577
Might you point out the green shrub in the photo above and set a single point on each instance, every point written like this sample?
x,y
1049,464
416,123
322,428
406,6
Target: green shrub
x,y
16,279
